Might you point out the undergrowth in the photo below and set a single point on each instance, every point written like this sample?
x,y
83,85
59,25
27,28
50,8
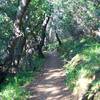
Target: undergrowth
x,y
82,60
51,46
14,87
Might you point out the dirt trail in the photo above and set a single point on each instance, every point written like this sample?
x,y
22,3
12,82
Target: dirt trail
x,y
50,83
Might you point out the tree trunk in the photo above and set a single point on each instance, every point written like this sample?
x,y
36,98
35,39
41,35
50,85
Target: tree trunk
x,y
19,50
11,59
58,39
57,36
41,44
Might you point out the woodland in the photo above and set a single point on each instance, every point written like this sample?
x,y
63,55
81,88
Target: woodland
x,y
32,29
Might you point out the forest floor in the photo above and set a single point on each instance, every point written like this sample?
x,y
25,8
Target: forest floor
x,y
50,85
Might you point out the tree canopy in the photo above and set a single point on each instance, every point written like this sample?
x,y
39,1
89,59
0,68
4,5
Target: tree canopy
x,y
29,28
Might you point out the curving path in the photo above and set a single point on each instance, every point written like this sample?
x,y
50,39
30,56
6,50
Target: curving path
x,y
49,85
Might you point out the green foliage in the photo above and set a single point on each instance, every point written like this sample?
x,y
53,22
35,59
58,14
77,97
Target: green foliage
x,y
79,15
14,86
51,46
82,55
83,60
95,88
8,10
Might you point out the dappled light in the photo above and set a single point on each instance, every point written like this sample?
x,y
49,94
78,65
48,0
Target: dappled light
x,y
82,67
50,84
49,49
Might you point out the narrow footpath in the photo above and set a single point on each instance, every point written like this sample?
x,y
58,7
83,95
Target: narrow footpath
x,y
50,84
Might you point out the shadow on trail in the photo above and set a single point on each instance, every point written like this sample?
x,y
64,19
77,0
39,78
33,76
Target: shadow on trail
x,y
50,83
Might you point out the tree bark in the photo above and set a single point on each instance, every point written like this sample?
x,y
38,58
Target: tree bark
x,y
58,39
43,36
10,59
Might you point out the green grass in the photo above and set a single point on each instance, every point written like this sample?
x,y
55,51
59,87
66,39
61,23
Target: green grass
x,y
51,46
82,60
14,87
